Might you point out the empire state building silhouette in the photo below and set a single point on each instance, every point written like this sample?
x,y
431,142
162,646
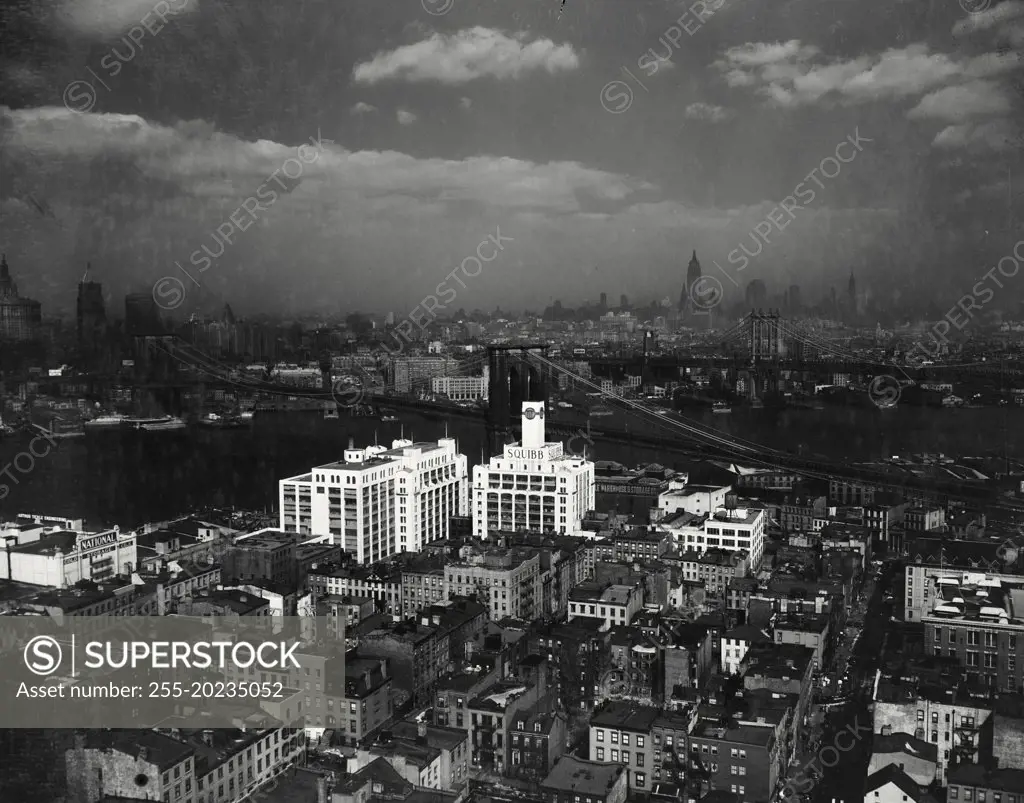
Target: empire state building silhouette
x,y
693,275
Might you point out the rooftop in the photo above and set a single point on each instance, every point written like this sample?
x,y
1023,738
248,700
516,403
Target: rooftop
x,y
980,598
575,775
892,774
163,751
625,716
905,743
732,732
1006,780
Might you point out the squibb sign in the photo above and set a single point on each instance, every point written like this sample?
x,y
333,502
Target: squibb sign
x,y
526,454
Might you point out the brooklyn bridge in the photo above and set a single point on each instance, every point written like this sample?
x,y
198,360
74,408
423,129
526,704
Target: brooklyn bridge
x,y
763,344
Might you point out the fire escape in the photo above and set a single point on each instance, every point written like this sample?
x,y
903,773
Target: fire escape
x,y
965,743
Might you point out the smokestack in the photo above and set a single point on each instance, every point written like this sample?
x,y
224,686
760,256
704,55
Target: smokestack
x,y
351,443
321,789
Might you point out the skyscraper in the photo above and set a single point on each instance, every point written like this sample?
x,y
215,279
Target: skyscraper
x,y
795,303
756,294
624,301
693,275
91,314
19,317
604,301
141,315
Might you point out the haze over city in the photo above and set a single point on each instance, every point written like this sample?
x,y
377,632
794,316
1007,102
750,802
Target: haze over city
x,y
443,127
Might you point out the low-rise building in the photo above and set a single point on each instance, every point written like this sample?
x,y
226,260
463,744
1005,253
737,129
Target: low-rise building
x,y
508,581
716,568
735,645
806,630
892,785
948,714
979,620
742,758
537,737
573,780
489,716
612,604
648,741
916,757
975,782
423,584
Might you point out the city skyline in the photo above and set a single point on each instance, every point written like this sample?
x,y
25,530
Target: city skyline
x,y
431,129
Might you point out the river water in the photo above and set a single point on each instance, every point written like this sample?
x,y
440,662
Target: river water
x,y
128,477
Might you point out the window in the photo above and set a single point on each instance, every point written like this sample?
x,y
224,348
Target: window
x,y
954,792
615,755
615,737
640,762
600,754
639,741
625,738
600,736
641,779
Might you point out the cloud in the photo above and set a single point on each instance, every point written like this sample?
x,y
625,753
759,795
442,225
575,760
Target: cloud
x,y
466,56
355,226
994,135
995,17
362,108
104,18
406,117
789,75
958,103
763,54
707,112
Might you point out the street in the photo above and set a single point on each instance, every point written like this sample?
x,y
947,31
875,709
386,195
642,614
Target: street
x,y
845,781
839,731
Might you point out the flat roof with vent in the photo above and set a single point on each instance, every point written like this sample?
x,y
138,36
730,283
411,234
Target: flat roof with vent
x,y
581,777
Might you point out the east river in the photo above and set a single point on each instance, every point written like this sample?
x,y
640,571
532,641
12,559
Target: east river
x,y
127,477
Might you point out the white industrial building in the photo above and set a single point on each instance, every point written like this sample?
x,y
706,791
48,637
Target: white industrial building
x,y
378,502
733,530
533,485
50,554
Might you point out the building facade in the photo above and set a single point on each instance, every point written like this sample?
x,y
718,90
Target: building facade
x,y
533,485
379,502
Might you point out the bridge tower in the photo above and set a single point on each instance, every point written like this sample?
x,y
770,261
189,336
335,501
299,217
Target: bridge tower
x,y
645,370
767,347
514,378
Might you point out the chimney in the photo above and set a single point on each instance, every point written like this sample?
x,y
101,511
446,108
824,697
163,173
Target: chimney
x,y
351,443
421,729
321,789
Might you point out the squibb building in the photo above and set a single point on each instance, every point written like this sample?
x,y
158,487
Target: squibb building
x,y
533,485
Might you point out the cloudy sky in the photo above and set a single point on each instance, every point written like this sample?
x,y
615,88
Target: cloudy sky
x,y
132,130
